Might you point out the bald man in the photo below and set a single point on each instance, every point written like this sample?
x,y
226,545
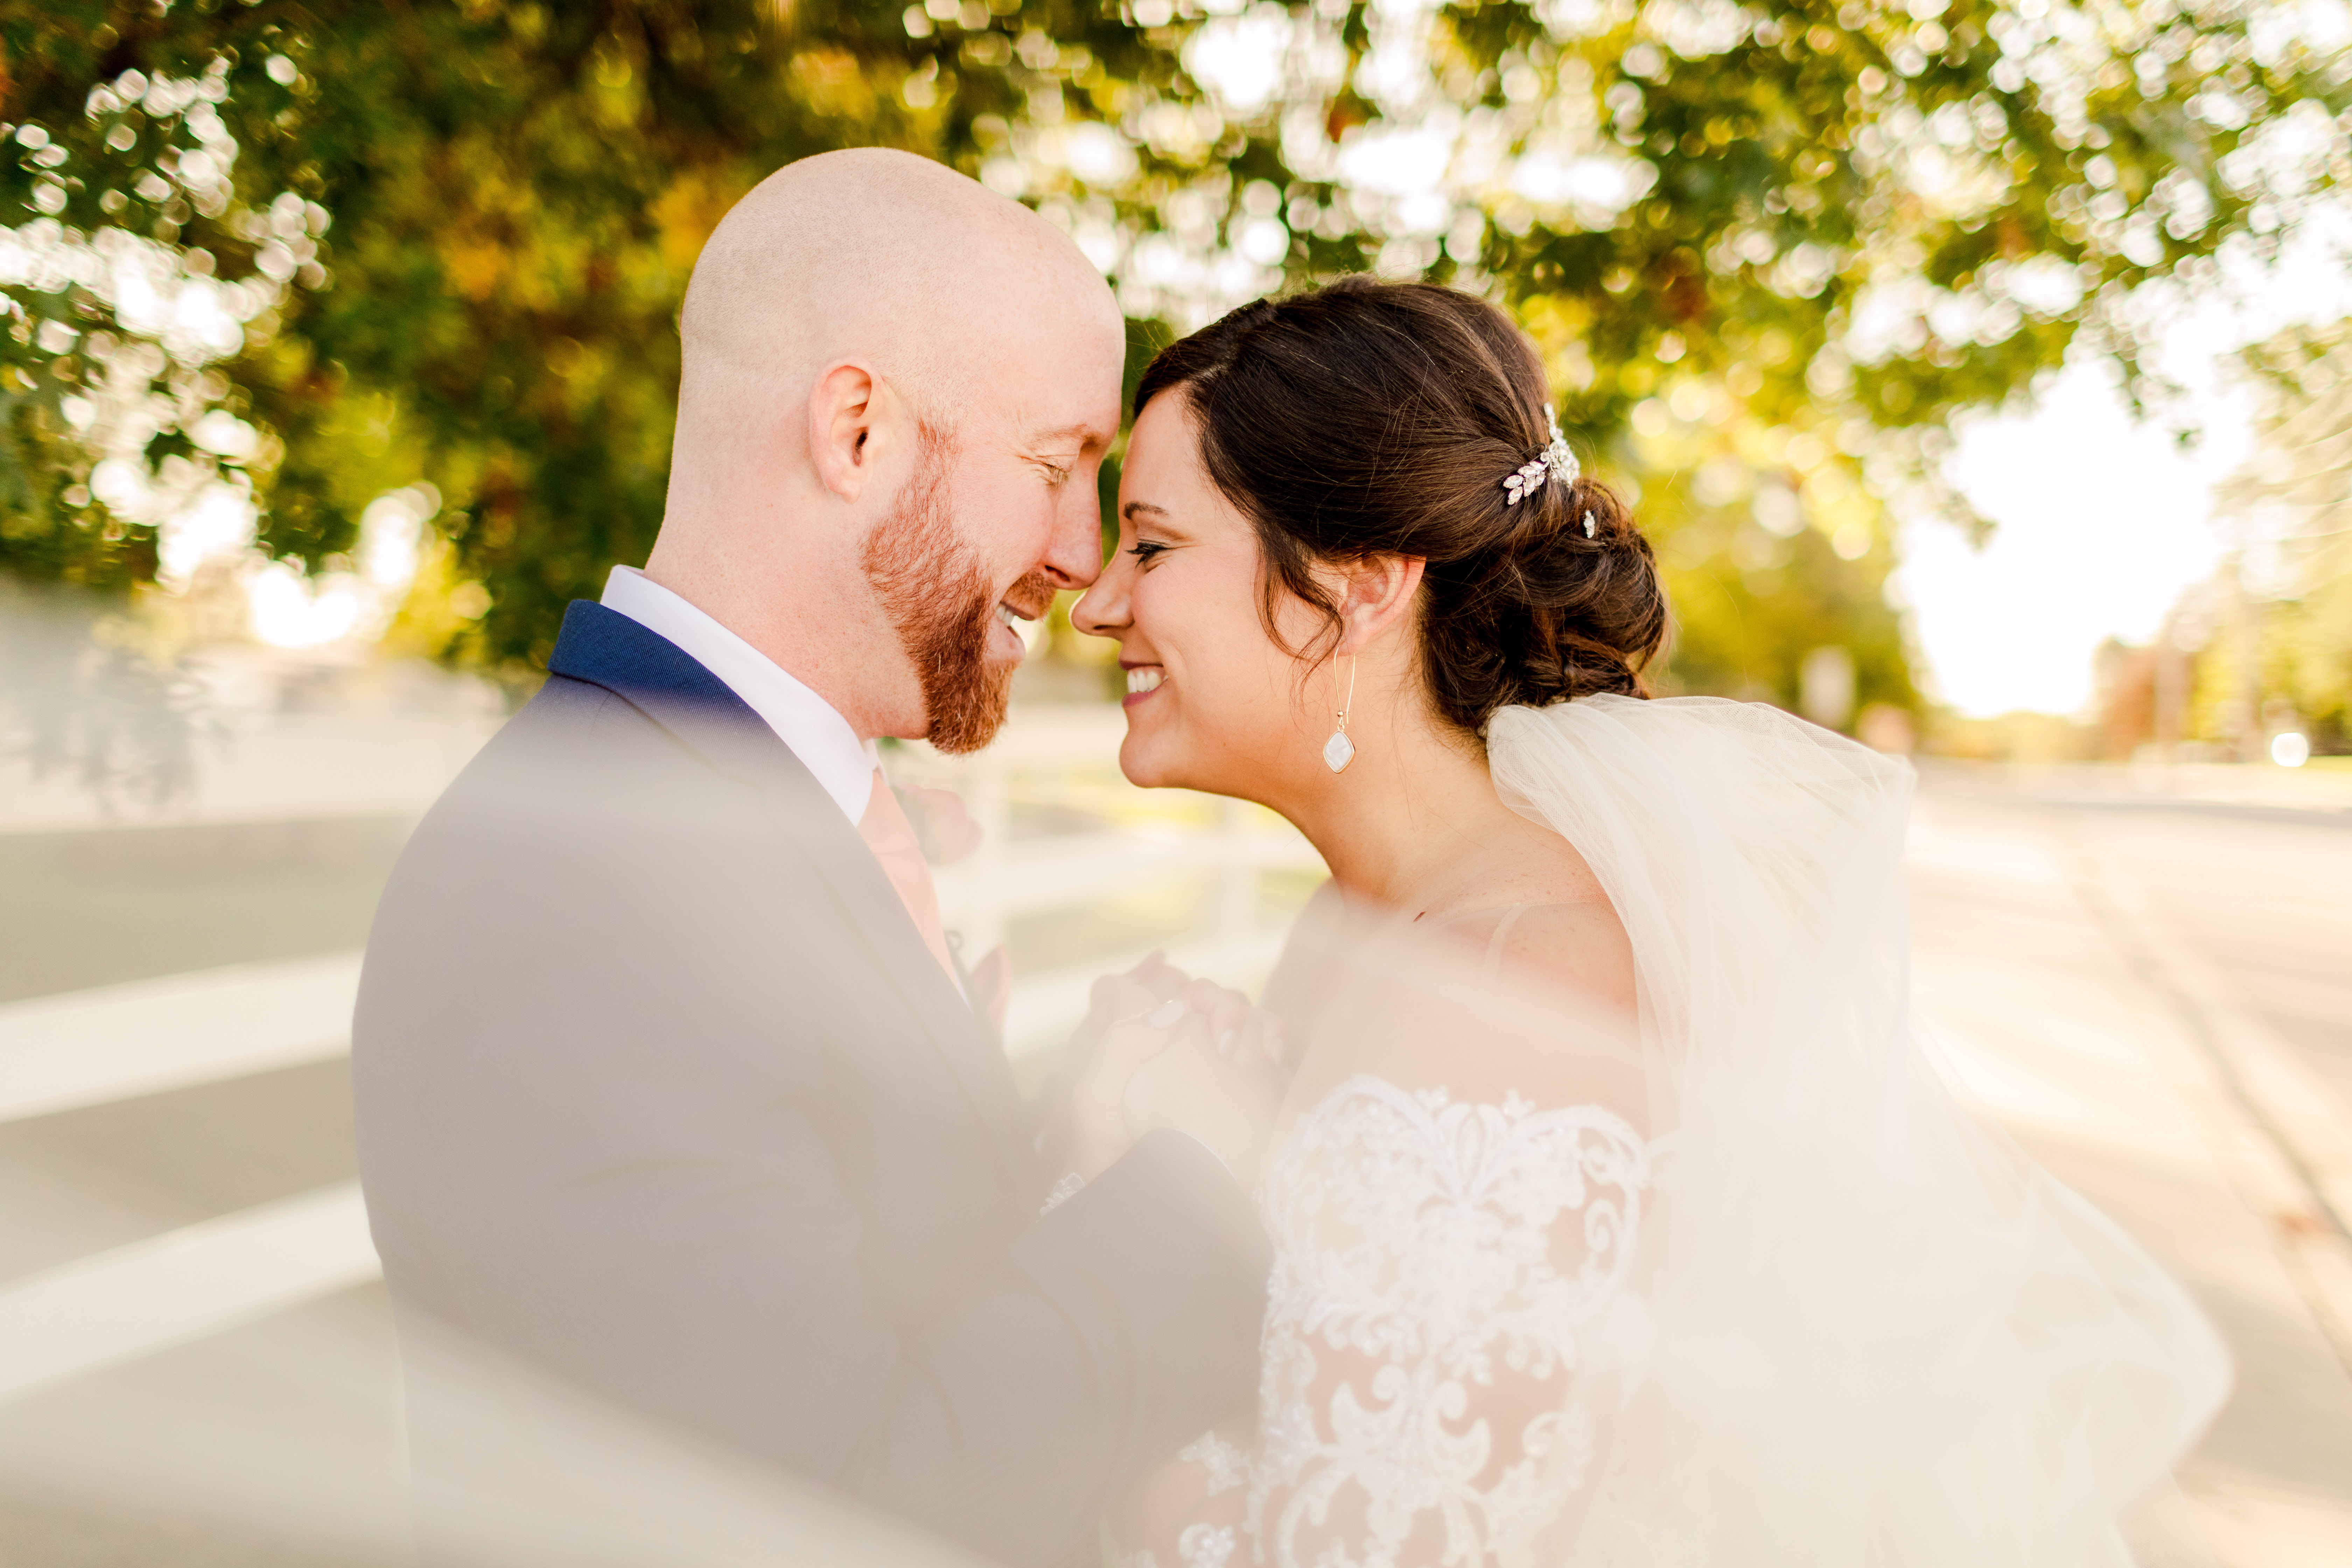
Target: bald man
x,y
668,1084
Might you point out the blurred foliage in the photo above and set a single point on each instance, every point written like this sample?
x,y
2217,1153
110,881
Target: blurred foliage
x,y
2281,654
2306,650
1769,249
2033,738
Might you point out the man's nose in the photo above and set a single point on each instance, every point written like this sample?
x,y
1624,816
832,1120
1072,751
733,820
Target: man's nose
x,y
1073,558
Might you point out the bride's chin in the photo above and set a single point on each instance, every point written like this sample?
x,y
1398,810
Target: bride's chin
x,y
1136,770
1143,761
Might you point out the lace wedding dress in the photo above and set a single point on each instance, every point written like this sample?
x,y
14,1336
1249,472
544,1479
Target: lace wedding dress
x,y
1768,1299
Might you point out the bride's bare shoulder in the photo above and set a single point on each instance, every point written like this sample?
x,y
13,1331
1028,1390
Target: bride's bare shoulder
x,y
1536,916
1533,1000
1575,947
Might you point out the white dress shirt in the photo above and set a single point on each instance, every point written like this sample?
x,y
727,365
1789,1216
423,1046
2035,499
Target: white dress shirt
x,y
817,734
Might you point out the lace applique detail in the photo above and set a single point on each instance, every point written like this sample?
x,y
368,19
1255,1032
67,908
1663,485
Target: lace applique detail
x,y
1450,1318
1200,1546
1224,1465
1205,1546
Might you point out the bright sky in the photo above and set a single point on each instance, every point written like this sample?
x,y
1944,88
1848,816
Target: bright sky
x,y
2100,522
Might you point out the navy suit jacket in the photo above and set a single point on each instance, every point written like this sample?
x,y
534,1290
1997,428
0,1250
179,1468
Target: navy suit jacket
x,y
659,1091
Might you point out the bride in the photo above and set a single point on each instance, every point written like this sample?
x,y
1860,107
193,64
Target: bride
x,y
1620,1216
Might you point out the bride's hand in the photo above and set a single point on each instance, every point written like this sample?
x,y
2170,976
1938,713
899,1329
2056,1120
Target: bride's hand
x,y
1158,1049
1240,1031
1219,1078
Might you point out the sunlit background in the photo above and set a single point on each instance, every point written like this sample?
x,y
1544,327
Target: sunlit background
x,y
1983,371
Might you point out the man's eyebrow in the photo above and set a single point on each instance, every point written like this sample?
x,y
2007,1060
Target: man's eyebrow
x,y
1080,433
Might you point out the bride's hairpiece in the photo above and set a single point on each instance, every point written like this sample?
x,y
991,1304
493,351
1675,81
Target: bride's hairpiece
x,y
1555,462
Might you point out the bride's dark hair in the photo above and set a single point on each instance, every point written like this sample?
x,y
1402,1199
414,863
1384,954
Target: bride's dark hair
x,y
1370,419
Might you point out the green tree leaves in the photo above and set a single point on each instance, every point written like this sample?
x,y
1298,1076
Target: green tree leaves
x,y
1778,243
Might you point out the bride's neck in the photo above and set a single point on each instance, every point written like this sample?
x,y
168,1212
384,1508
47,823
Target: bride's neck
x,y
1415,822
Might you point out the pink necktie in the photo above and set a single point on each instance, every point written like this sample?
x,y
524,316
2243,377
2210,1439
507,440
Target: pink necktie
x,y
892,838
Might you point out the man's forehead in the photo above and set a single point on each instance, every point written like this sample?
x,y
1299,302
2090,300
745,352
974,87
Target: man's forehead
x,y
1045,405
1045,381
1012,411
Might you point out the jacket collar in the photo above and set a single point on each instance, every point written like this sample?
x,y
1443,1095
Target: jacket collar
x,y
606,648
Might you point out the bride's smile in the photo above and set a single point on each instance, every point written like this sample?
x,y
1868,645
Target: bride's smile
x,y
1212,702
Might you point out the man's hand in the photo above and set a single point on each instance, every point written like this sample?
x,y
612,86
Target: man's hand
x,y
1086,1126
1136,1027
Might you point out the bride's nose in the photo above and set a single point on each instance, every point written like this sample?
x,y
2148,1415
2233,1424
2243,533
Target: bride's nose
x,y
1101,610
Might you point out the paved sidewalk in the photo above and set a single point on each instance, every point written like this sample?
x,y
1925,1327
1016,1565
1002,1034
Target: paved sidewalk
x,y
2032,992
2321,786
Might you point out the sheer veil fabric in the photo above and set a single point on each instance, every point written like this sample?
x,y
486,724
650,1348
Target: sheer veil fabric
x,y
1880,1336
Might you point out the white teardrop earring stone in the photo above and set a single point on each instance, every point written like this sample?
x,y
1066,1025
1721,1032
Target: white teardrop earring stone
x,y
1339,751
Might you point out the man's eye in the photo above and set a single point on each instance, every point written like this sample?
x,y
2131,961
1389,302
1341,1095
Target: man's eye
x,y
1056,473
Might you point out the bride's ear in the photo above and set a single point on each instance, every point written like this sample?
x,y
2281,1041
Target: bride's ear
x,y
1377,596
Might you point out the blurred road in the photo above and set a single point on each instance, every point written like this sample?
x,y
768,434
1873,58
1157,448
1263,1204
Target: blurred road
x,y
2155,999
2156,1002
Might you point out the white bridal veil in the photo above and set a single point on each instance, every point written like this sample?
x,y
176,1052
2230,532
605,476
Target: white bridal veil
x,y
1885,1339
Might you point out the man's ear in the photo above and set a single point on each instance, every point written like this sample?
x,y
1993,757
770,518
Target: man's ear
x,y
1378,596
848,427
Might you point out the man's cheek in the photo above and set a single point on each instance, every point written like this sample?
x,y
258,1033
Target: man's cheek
x,y
1006,523
1033,534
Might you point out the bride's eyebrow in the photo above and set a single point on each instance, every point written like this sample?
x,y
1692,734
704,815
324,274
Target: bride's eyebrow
x,y
1137,513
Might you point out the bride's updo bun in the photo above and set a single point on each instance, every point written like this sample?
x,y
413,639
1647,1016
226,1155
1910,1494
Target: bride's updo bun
x,y
1370,419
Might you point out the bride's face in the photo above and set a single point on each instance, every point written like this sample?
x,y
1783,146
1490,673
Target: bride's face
x,y
1213,703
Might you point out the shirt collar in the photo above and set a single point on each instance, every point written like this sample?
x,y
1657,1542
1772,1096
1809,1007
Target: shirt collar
x,y
818,735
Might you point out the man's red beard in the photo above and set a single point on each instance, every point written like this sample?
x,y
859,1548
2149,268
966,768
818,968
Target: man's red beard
x,y
937,596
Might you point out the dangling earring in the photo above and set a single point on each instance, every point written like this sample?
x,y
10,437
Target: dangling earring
x,y
1339,750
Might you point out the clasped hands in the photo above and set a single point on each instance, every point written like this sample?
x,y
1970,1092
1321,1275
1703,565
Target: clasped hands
x,y
1160,1049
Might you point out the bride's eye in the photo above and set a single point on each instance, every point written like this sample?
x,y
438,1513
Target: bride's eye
x,y
1145,550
